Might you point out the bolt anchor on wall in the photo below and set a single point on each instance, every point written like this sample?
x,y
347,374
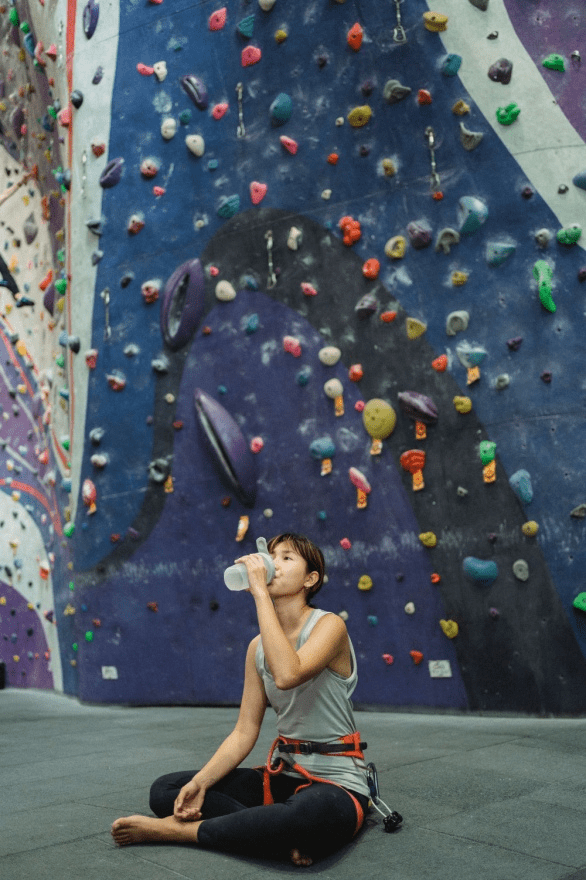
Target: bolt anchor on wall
x,y
272,278
399,35
430,137
240,131
105,294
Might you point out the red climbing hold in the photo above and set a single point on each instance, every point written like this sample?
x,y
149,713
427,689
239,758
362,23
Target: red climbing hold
x,y
217,19
389,659
416,656
219,110
424,97
387,317
290,145
333,158
257,192
371,269
354,37
351,229
440,364
144,70
250,55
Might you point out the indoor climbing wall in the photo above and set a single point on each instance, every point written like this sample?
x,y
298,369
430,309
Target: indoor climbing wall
x,y
314,267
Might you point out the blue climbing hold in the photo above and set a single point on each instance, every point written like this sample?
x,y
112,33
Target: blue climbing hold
x,y
229,206
579,179
252,324
498,252
451,64
472,213
303,376
91,13
520,483
246,27
281,109
323,447
483,571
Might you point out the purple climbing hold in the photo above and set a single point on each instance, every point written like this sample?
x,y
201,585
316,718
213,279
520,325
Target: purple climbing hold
x,y
183,304
49,299
501,71
418,406
230,451
419,234
91,13
514,344
112,173
97,77
196,90
366,306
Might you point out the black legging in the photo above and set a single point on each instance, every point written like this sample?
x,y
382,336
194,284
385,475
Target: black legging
x,y
317,821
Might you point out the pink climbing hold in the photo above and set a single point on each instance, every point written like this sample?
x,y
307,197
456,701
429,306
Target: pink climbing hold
x,y
250,55
144,69
217,19
308,289
292,346
345,543
64,117
290,145
52,52
257,192
159,190
256,444
219,110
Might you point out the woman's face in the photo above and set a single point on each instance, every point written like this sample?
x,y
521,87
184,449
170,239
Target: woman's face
x,y
291,574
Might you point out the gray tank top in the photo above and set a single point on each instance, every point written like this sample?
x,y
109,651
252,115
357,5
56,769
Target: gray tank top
x,y
319,710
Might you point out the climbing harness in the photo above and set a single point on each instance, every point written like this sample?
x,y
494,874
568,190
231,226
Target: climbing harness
x,y
348,746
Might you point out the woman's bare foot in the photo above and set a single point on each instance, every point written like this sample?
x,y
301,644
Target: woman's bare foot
x,y
145,829
299,860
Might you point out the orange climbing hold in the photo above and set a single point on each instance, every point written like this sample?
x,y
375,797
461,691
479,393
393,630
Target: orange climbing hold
x,y
413,461
351,229
355,373
388,317
371,269
355,35
333,158
416,656
440,364
424,97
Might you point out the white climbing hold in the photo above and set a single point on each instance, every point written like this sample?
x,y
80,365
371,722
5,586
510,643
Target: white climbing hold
x,y
225,291
169,128
330,355
160,68
195,144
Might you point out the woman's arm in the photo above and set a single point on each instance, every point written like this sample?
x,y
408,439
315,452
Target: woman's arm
x,y
290,668
235,747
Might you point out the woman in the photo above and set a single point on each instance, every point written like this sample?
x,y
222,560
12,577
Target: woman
x,y
303,664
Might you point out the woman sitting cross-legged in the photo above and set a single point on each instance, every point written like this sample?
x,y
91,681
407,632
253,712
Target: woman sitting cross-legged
x,y
311,797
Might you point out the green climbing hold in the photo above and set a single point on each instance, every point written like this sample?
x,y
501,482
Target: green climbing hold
x,y
281,109
507,115
246,27
487,451
25,27
68,529
543,274
61,285
89,636
60,360
569,235
13,17
554,62
580,602
229,206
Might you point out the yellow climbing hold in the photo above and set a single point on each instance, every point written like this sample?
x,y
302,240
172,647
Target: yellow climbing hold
x,y
281,35
415,328
21,348
435,21
450,628
359,116
460,108
428,539
389,169
395,247
463,404
459,278
365,583
530,528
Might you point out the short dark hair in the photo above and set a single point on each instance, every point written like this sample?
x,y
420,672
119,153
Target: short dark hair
x,y
308,551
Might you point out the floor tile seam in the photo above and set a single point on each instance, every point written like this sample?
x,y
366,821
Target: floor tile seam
x,y
134,852
497,846
47,846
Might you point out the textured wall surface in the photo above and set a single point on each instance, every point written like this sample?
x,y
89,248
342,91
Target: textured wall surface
x,y
191,235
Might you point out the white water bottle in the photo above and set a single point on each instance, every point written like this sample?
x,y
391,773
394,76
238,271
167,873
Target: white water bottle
x,y
236,576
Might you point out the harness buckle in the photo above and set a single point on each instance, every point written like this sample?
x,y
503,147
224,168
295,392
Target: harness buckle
x,y
305,748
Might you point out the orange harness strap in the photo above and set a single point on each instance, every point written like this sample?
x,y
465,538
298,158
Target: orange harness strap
x,y
270,769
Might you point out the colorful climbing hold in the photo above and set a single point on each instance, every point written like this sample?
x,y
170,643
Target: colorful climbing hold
x,y
365,583
428,539
450,628
359,116
281,109
554,62
250,55
217,19
483,571
507,115
530,528
569,235
415,328
543,274
257,192
440,363
354,36
501,71
289,144
413,461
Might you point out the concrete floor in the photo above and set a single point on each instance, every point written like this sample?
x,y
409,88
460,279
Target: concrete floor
x,y
483,798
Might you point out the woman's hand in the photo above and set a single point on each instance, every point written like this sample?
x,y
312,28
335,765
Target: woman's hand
x,y
257,572
189,801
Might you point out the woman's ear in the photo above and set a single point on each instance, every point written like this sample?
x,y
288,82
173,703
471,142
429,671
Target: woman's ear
x,y
311,580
